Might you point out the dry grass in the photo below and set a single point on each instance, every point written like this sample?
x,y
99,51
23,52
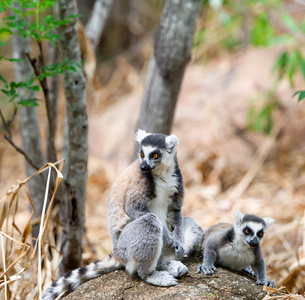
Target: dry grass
x,y
21,274
280,293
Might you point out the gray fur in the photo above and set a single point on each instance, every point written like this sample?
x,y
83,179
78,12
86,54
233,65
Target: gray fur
x,y
145,220
156,227
236,247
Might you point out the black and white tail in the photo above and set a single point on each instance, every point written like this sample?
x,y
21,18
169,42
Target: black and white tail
x,y
70,281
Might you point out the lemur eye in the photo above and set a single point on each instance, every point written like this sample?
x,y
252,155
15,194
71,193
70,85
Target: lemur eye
x,y
155,156
142,154
260,234
247,231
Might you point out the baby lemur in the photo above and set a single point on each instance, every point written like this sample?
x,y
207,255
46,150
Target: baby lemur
x,y
145,220
236,247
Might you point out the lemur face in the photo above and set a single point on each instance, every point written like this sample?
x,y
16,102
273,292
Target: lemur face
x,y
250,228
150,157
253,232
156,150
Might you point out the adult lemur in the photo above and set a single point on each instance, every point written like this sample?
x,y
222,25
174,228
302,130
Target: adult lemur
x,y
145,221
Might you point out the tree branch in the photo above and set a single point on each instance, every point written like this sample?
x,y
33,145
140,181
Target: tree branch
x,y
7,127
51,155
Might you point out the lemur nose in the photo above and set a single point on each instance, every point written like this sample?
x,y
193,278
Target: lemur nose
x,y
254,242
145,166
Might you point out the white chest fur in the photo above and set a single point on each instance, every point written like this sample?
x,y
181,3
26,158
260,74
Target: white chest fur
x,y
165,187
235,256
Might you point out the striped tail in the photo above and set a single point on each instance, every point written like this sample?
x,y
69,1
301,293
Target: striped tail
x,y
70,281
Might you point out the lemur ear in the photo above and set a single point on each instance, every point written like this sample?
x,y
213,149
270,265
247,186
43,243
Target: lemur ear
x,y
171,142
238,217
268,221
140,135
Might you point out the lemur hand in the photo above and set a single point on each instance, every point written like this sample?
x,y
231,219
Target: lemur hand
x,y
179,250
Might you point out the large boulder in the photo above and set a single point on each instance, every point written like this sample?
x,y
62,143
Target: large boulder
x,y
223,285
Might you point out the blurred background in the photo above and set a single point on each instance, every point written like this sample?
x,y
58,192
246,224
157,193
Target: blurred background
x,y
241,131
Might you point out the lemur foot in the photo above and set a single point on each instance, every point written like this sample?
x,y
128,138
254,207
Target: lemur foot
x,y
176,268
161,278
249,270
270,283
207,270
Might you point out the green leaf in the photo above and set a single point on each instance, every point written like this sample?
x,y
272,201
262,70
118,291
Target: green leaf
x,y
73,69
283,39
199,37
11,18
261,121
292,64
290,22
28,102
262,31
5,30
281,64
301,95
35,88
6,92
3,79
13,59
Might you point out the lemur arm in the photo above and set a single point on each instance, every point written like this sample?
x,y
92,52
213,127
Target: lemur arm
x,y
137,209
178,231
209,258
260,269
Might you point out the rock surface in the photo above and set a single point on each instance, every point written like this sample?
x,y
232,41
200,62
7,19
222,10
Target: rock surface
x,y
223,285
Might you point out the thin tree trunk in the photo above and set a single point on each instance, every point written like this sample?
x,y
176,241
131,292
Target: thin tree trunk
x,y
29,126
73,206
96,23
53,84
51,151
172,51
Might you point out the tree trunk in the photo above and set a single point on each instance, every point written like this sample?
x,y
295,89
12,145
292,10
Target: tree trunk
x,y
53,84
172,51
29,126
95,26
72,212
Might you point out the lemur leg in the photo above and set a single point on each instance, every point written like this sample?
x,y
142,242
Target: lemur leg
x,y
260,270
140,247
209,258
192,239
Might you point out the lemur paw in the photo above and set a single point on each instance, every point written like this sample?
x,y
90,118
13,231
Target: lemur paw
x,y
250,271
176,268
270,283
179,250
207,270
161,278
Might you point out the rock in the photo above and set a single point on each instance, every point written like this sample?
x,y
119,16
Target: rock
x,y
223,285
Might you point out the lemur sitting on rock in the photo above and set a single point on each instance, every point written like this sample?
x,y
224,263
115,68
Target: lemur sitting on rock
x,y
148,231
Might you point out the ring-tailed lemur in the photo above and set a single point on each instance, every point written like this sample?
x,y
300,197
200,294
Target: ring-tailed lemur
x,y
145,221
236,247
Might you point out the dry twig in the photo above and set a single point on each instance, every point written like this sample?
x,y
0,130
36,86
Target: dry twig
x,y
9,138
